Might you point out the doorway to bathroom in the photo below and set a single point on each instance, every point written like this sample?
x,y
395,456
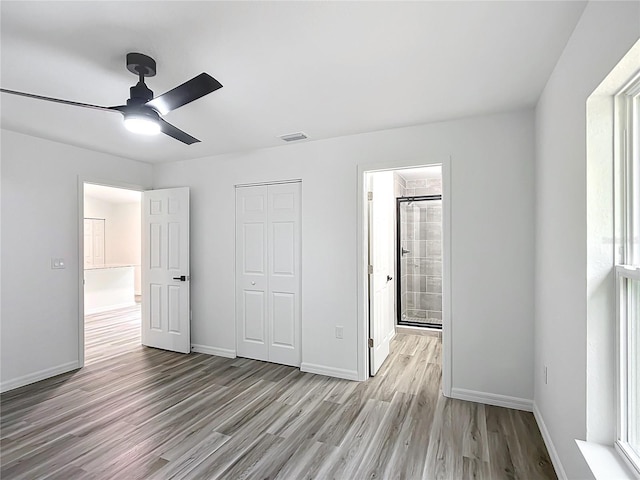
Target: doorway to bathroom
x,y
406,261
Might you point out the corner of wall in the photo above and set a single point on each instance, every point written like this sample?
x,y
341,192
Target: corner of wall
x,y
551,448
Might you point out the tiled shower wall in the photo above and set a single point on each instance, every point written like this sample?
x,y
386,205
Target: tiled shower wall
x,y
421,234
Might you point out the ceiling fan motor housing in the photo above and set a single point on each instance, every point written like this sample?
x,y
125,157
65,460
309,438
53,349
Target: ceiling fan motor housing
x,y
139,94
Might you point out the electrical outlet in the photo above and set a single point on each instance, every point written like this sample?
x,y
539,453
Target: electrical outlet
x,y
546,375
339,331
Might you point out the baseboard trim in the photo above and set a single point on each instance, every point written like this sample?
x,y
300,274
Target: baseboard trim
x,y
506,401
329,371
427,332
551,448
37,376
219,352
93,311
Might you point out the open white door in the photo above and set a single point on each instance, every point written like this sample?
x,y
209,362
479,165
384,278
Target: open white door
x,y
381,261
165,269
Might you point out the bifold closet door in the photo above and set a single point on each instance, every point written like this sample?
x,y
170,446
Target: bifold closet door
x,y
268,309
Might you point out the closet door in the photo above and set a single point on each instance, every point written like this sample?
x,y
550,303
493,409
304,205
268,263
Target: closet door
x,y
268,308
251,272
284,273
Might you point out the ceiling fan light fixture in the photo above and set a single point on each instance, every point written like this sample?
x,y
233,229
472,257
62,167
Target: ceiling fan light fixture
x,y
141,123
141,111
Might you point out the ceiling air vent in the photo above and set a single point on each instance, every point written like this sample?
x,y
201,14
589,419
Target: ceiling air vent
x,y
294,137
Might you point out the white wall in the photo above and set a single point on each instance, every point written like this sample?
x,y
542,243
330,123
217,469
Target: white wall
x,y
40,221
126,246
492,240
122,232
604,34
97,208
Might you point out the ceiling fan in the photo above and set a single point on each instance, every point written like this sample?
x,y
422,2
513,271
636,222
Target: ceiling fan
x,y
142,113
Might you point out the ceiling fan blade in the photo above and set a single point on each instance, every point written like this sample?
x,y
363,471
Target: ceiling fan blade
x,y
189,91
176,133
65,102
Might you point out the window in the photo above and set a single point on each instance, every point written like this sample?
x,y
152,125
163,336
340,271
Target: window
x,y
628,272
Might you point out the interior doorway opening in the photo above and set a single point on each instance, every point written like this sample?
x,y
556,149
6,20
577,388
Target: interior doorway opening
x,y
406,257
112,293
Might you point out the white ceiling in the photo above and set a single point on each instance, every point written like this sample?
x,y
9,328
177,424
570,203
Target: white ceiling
x,y
326,68
420,173
111,194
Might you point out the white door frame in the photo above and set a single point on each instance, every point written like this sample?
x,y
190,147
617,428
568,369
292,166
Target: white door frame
x,y
104,183
363,294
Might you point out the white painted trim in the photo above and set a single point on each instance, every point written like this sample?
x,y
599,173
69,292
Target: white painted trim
x,y
330,371
605,462
80,272
37,376
218,352
492,399
362,274
260,184
92,311
546,436
447,304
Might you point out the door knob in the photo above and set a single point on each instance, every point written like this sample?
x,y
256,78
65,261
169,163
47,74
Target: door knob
x,y
389,278
182,278
253,283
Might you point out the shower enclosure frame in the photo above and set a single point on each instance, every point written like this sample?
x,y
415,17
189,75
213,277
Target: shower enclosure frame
x,y
399,321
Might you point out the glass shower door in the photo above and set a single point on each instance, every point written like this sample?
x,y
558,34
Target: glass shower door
x,y
419,263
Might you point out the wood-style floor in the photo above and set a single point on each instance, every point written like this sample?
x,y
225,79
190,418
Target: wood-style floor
x,y
151,414
111,333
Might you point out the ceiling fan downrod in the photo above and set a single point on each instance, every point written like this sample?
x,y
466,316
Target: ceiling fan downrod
x,y
142,66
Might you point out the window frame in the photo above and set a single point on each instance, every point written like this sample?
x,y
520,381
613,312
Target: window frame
x,y
627,268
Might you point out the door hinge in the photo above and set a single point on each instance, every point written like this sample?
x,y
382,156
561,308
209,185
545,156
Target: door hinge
x,y
371,343
369,196
370,269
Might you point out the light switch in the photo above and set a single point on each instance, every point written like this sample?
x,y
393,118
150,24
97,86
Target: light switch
x,y
57,263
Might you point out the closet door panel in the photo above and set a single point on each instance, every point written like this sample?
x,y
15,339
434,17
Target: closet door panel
x,y
251,273
284,273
